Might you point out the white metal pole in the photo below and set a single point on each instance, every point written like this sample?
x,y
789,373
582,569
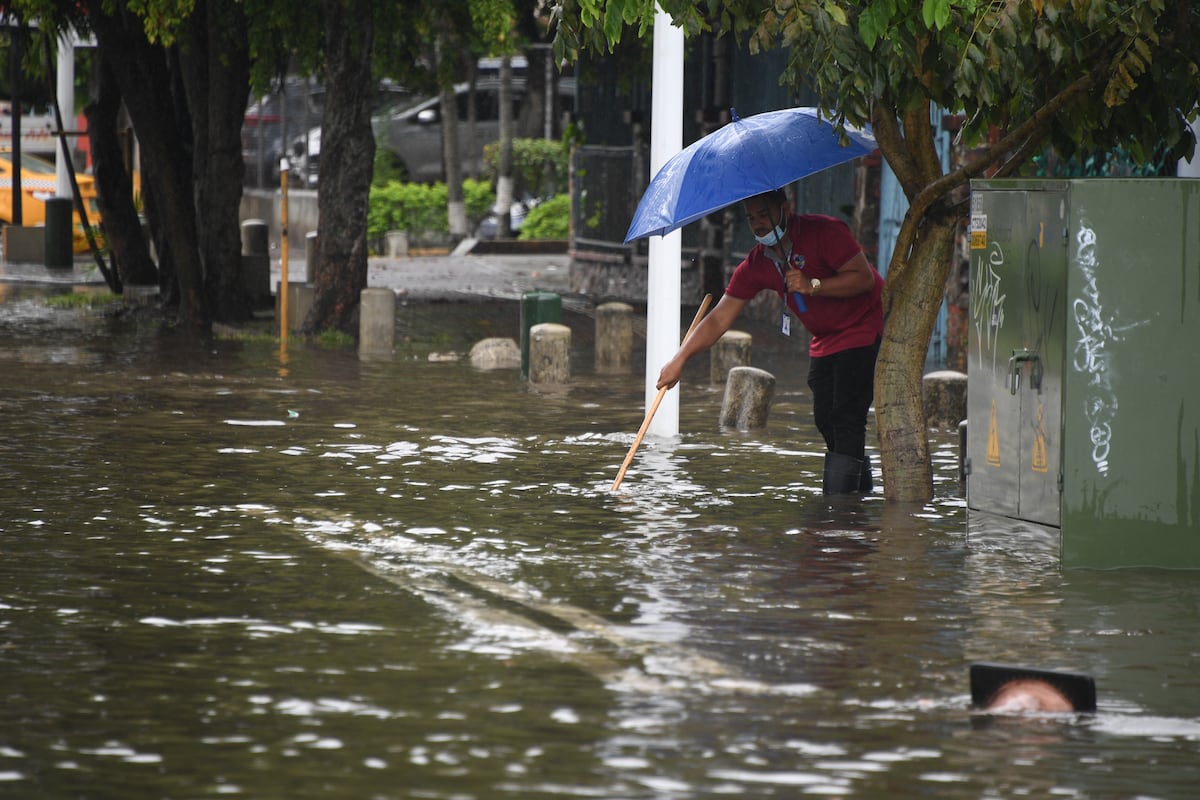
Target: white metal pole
x,y
66,104
662,284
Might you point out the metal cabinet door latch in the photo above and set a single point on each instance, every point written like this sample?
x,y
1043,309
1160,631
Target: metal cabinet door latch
x,y
1018,358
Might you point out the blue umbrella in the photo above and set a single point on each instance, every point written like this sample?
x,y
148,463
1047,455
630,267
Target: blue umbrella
x,y
744,158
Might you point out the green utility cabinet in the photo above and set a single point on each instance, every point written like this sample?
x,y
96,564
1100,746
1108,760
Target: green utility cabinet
x,y
1083,390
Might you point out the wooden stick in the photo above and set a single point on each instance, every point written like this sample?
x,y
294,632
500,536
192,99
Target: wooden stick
x,y
657,399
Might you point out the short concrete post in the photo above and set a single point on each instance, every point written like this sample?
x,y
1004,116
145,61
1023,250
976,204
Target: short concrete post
x,y
614,337
731,350
376,322
944,399
748,394
256,262
300,302
397,243
256,238
549,353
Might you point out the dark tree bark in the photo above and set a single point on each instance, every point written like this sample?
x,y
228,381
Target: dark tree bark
x,y
146,74
216,75
347,156
122,228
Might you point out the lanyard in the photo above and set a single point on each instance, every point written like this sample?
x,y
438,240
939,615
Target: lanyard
x,y
798,262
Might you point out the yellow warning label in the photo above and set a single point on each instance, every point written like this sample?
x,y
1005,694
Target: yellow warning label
x,y
1039,442
978,231
993,445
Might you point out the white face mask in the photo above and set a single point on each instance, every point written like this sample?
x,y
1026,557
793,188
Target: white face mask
x,y
776,234
773,238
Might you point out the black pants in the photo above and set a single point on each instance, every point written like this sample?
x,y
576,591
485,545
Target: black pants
x,y
843,388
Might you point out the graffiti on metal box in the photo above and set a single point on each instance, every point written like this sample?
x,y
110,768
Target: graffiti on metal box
x,y
987,303
1092,354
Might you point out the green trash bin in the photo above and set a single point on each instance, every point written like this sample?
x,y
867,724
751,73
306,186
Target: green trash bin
x,y
60,244
536,308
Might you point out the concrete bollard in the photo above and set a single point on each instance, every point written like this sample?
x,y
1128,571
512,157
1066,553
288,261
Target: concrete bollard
x,y
256,238
256,262
300,301
944,399
549,353
496,353
376,322
748,394
397,243
614,338
731,350
24,244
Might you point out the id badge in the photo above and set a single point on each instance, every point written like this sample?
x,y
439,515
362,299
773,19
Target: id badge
x,y
786,325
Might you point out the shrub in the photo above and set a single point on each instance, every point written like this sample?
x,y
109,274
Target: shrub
x,y
550,219
479,199
420,208
539,166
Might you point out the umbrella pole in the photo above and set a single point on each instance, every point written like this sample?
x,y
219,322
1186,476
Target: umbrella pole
x,y
657,399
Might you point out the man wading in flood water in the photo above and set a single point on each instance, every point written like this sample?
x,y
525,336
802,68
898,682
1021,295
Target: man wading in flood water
x,y
815,256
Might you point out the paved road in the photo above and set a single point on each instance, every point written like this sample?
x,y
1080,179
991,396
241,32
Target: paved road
x,y
470,276
422,278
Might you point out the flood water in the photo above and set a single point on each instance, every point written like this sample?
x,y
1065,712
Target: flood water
x,y
230,572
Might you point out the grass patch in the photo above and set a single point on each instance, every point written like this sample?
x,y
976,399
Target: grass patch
x,y
334,340
82,300
227,333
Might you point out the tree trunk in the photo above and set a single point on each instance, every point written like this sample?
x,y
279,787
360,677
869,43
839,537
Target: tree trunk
x,y
915,291
216,73
144,72
504,166
347,155
456,209
122,228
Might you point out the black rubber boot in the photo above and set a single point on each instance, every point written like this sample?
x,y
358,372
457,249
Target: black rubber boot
x,y
843,473
865,484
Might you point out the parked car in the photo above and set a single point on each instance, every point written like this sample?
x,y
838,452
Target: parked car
x,y
304,151
412,134
38,184
272,120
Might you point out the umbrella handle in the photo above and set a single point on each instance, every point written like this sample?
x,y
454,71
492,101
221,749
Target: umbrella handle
x,y
800,302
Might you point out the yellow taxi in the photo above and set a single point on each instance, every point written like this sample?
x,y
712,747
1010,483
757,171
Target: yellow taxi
x,y
38,183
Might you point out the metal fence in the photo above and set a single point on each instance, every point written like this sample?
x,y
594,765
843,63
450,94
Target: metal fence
x,y
607,184
604,196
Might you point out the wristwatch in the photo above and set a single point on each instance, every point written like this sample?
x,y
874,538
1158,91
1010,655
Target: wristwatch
x,y
816,285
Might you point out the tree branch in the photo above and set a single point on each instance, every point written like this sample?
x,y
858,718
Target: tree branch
x,y
894,146
919,130
1029,134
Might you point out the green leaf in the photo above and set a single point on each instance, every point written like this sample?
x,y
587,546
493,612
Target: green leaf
x,y
871,26
836,12
935,13
613,23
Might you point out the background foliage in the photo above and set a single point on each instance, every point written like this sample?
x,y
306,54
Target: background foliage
x,y
420,208
539,166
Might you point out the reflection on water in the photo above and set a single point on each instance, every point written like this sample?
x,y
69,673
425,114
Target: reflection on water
x,y
408,578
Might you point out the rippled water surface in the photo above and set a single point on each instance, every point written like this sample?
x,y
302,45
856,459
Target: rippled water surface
x,y
228,574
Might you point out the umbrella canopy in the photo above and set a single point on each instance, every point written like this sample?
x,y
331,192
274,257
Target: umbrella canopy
x,y
744,158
